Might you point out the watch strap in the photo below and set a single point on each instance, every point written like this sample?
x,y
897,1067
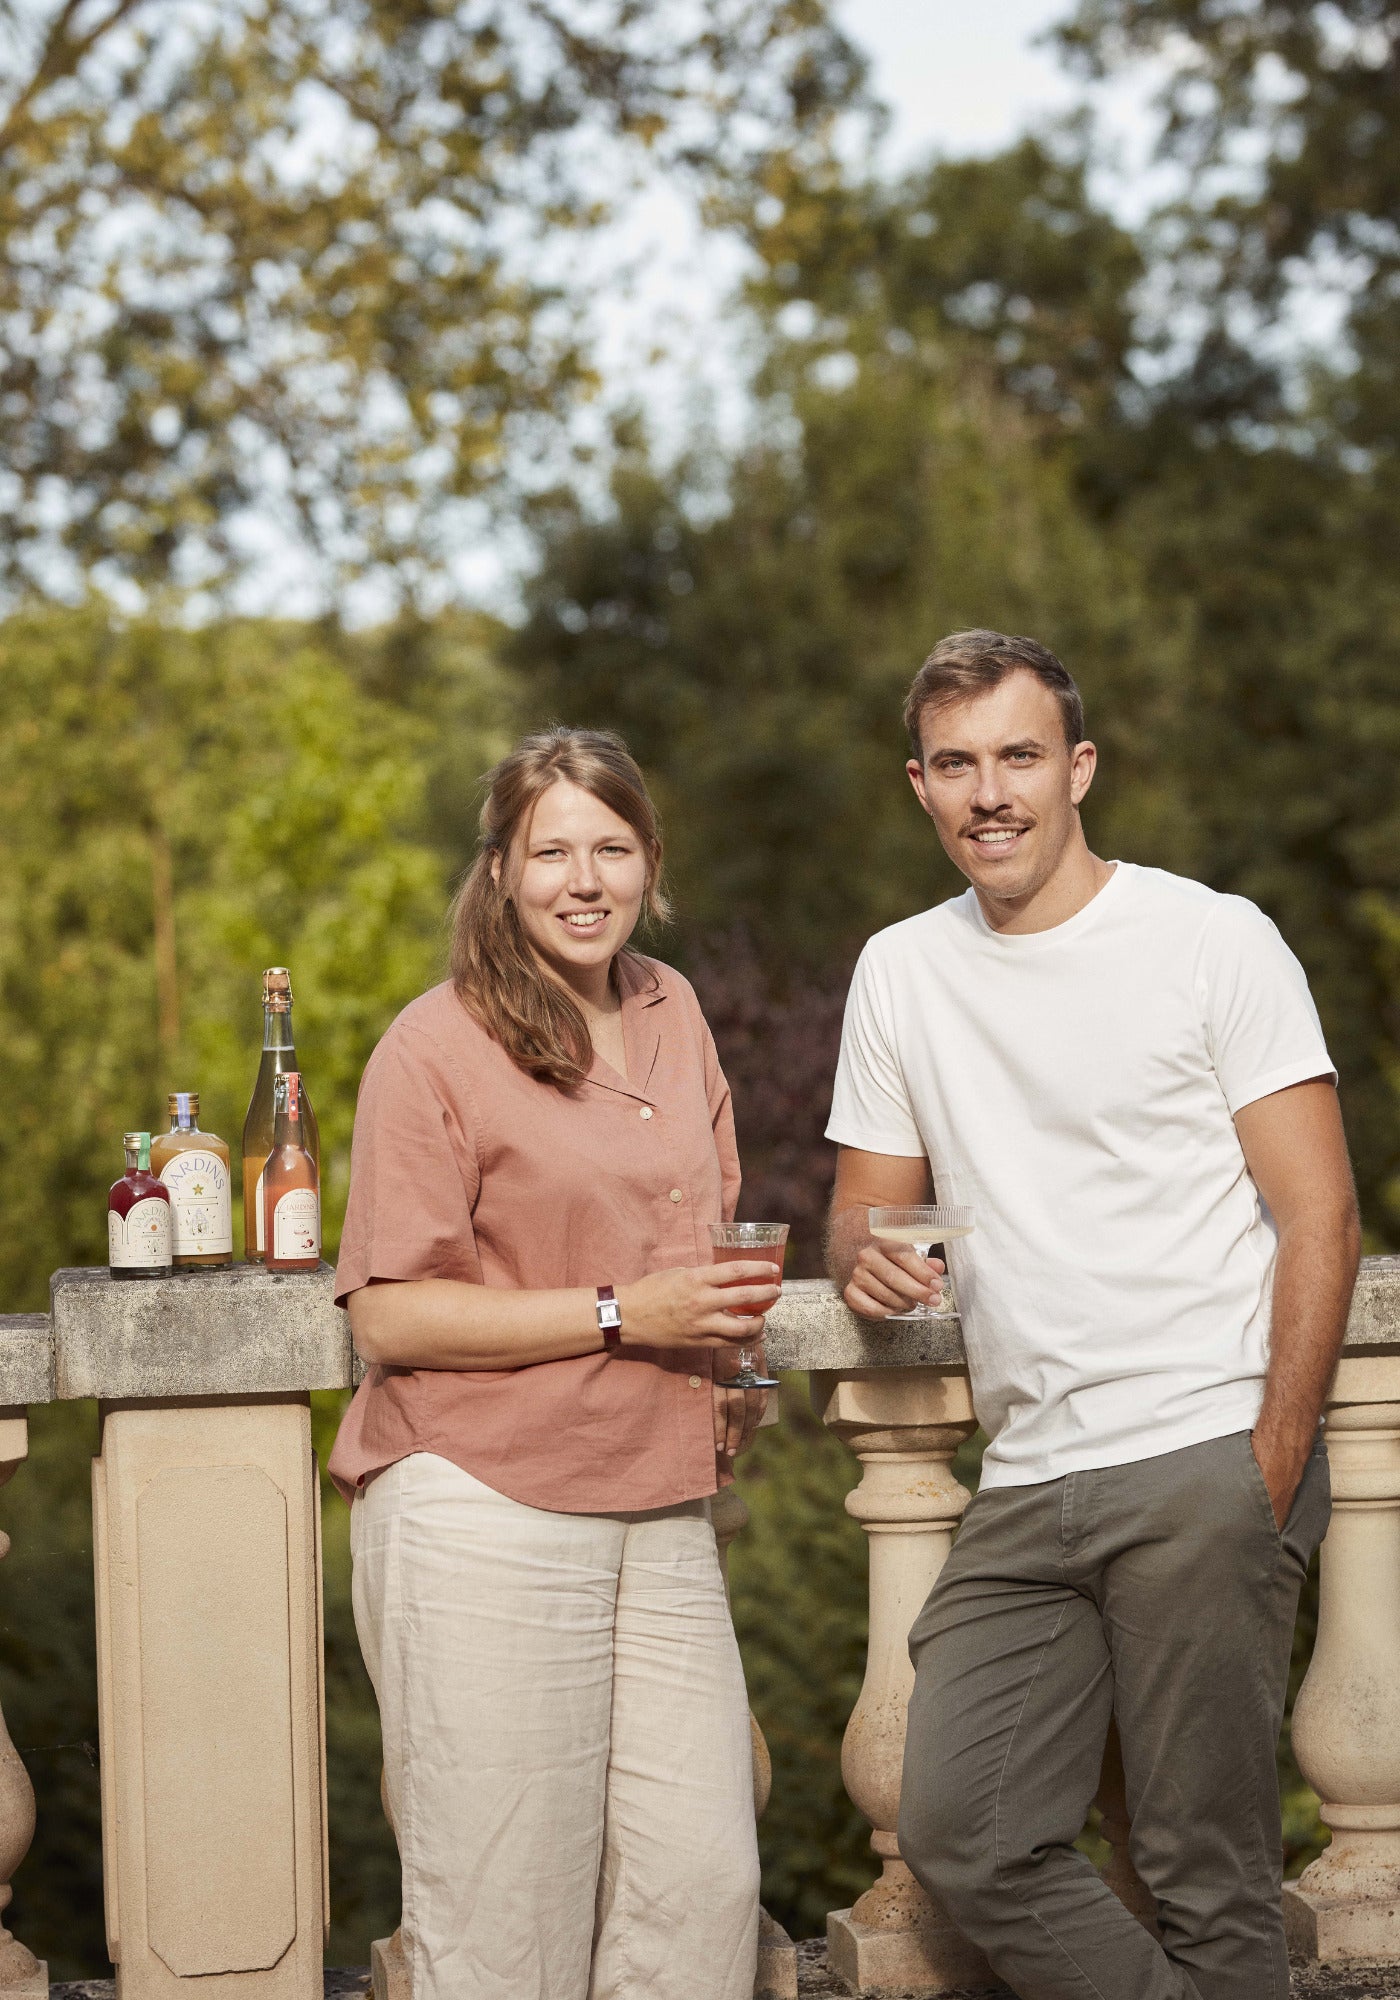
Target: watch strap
x,y
609,1318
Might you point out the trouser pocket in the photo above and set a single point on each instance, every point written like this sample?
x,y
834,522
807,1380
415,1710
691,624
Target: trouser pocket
x,y
1311,1508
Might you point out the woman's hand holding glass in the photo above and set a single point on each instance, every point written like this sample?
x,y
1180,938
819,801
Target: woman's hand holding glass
x,y
702,1305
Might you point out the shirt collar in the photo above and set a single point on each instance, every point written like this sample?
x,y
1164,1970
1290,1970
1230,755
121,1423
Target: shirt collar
x,y
642,984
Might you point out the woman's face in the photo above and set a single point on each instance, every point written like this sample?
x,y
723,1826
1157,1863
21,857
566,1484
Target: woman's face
x,y
582,875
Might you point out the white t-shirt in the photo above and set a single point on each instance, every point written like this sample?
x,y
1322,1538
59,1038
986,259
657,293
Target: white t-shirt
x,y
1077,1087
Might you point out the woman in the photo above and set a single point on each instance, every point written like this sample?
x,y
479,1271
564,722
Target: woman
x,y
540,1146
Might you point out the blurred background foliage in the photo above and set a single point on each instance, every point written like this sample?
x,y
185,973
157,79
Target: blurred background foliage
x,y
978,398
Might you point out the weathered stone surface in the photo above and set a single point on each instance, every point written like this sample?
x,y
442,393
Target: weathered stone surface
x,y
26,1359
816,1981
241,1330
811,1328
1375,1306
236,1330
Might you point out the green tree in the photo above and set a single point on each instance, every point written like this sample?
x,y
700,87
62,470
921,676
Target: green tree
x,y
757,664
291,257
181,809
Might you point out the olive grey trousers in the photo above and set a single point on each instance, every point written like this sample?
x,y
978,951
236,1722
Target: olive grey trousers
x,y
1161,1593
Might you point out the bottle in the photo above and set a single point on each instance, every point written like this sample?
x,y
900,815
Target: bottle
x,y
278,1056
291,1185
195,1168
138,1216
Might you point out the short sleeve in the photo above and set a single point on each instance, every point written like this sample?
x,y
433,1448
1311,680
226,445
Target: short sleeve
x,y
722,1123
870,1105
1260,1021
413,1174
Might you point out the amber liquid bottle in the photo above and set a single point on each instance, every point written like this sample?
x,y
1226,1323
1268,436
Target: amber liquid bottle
x,y
291,1186
278,1056
195,1167
138,1216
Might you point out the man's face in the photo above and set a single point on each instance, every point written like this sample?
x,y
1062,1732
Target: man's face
x,y
1002,786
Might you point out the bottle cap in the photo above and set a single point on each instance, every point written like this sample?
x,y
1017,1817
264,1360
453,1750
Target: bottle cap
x,y
134,1141
277,989
184,1106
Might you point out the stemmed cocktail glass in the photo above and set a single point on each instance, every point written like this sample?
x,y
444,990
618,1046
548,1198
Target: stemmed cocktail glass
x,y
749,1243
924,1228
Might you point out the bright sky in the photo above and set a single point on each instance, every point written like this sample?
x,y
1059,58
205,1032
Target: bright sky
x,y
960,77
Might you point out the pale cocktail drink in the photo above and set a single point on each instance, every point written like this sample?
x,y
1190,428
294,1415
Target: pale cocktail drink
x,y
920,1228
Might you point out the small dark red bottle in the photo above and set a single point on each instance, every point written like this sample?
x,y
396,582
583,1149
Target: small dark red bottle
x,y
139,1237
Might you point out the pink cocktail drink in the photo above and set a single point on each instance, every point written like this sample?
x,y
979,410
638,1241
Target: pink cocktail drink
x,y
759,1244
756,1254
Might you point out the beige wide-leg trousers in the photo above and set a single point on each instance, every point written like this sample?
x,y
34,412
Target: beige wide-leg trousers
x,y
566,1743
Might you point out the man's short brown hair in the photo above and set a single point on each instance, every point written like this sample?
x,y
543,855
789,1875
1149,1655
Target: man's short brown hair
x,y
971,663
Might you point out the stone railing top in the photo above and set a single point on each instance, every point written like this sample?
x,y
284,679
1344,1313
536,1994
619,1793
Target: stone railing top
x,y
239,1330
235,1330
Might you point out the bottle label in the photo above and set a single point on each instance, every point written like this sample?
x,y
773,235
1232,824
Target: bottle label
x,y
296,1224
259,1218
141,1239
201,1201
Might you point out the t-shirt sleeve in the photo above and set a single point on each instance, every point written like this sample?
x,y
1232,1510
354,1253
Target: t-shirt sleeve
x,y
413,1174
870,1105
1260,1021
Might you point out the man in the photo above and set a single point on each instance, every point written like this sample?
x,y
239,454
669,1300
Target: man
x,y
1123,1074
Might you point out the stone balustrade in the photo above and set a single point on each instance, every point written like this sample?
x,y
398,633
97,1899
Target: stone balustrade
x,y
206,1537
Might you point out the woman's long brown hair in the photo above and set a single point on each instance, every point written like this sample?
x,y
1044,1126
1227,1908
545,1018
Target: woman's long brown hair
x,y
497,975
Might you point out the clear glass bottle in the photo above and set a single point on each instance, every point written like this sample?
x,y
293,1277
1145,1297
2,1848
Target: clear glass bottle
x,y
291,1186
138,1216
196,1169
278,1056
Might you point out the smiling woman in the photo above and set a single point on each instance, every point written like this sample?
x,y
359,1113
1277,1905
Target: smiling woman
x,y
541,1147
570,854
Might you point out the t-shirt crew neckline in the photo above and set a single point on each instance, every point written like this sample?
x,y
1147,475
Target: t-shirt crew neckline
x,y
1104,898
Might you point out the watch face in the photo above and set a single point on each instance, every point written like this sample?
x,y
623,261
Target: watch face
x,y
609,1313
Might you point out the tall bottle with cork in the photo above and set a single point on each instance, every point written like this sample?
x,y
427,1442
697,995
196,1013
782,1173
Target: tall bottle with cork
x,y
195,1168
291,1186
279,1055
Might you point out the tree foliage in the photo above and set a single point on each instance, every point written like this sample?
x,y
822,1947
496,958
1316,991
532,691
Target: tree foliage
x,y
290,256
287,806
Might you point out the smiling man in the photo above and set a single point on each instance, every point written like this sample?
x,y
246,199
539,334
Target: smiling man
x,y
1122,1073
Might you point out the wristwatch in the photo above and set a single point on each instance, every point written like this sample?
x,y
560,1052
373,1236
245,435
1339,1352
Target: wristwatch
x,y
609,1319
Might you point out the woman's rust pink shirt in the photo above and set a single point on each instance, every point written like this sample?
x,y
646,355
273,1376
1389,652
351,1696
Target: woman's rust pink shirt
x,y
464,1167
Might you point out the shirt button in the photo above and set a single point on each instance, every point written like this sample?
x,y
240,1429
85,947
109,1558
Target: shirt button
x,y
695,1381
646,1111
676,1195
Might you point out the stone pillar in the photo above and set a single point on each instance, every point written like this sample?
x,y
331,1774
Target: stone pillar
x,y
1346,1722
22,1975
904,1425
777,1955
206,1525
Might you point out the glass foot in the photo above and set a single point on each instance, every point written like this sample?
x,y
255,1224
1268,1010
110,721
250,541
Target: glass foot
x,y
747,1379
922,1312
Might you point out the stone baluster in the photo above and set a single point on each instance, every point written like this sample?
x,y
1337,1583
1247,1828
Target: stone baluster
x,y
904,1425
22,1975
1346,1722
777,1956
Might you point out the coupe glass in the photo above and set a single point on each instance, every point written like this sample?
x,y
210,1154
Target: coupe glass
x,y
925,1229
750,1243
